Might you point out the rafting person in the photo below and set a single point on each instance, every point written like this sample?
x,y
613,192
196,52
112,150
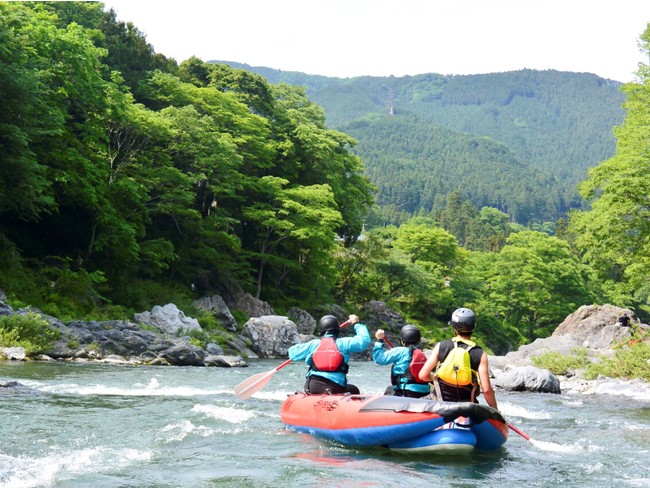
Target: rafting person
x,y
407,361
328,356
461,367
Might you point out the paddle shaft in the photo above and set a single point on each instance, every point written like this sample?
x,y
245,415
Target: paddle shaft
x,y
519,431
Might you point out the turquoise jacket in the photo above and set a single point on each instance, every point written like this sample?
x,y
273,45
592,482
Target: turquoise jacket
x,y
400,358
346,345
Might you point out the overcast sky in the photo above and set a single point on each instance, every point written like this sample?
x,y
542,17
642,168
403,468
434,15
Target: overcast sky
x,y
345,38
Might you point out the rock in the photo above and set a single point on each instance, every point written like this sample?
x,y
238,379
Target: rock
x,y
253,307
184,355
225,361
219,309
214,349
304,321
13,353
528,378
239,345
5,308
595,326
168,319
271,335
378,315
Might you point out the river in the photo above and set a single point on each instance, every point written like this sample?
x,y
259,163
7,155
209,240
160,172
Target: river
x,y
104,426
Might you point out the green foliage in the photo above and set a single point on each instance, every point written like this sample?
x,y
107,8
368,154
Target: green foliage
x,y
630,361
613,236
29,331
559,364
550,126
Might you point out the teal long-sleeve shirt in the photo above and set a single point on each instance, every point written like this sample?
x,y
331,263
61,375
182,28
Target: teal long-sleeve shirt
x,y
346,345
400,358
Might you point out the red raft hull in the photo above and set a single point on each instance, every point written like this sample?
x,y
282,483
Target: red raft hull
x,y
406,424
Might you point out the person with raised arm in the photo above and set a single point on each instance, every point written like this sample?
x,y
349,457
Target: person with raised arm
x,y
328,357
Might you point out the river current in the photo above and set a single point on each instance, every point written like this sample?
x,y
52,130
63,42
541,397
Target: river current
x,y
97,425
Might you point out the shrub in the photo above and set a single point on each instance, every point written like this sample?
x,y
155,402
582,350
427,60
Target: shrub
x,y
29,331
558,363
631,360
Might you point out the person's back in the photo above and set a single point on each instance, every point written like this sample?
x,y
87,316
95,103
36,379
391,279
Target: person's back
x,y
328,357
406,362
457,388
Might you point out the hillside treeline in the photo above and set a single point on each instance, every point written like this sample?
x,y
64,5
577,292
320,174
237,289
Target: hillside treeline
x,y
128,180
556,125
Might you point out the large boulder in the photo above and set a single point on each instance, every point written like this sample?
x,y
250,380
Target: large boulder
x,y
271,335
595,326
168,319
378,315
219,309
252,306
527,378
304,321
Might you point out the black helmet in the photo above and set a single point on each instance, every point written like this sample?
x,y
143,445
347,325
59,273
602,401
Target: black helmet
x,y
463,320
410,334
328,323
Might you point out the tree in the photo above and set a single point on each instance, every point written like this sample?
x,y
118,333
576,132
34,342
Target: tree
x,y
614,235
535,282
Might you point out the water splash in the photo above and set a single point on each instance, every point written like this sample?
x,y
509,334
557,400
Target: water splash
x,y
28,472
511,410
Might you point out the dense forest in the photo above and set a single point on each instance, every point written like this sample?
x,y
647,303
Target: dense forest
x,y
129,180
558,124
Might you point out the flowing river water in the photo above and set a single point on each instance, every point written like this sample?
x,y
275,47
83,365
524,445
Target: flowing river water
x,y
105,426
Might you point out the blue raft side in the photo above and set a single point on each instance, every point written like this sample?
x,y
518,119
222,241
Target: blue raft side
x,y
438,438
372,436
488,437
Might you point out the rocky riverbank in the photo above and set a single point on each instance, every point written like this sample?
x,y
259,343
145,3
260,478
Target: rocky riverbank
x,y
162,336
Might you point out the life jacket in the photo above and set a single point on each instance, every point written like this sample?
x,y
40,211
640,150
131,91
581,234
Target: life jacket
x,y
412,373
456,368
457,364
328,358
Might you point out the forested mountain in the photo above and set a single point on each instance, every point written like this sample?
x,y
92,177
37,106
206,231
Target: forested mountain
x,y
415,165
558,123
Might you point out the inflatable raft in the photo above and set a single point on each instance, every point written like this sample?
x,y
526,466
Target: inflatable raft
x,y
397,423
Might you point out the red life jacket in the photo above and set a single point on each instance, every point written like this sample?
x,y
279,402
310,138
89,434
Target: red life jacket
x,y
327,357
412,373
417,361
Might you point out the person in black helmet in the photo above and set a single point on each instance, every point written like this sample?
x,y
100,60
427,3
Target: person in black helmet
x,y
446,388
406,361
328,356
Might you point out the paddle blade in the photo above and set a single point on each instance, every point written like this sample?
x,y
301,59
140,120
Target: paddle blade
x,y
250,386
255,383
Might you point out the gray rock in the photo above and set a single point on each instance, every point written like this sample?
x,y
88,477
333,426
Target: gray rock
x,y
253,307
184,355
271,335
219,309
304,321
168,319
225,361
528,378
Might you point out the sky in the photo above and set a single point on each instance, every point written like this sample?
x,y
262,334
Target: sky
x,y
346,38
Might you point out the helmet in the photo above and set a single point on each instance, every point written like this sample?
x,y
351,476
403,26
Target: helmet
x,y
463,320
328,323
410,334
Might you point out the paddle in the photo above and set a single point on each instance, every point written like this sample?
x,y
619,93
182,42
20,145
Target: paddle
x,y
255,383
520,432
